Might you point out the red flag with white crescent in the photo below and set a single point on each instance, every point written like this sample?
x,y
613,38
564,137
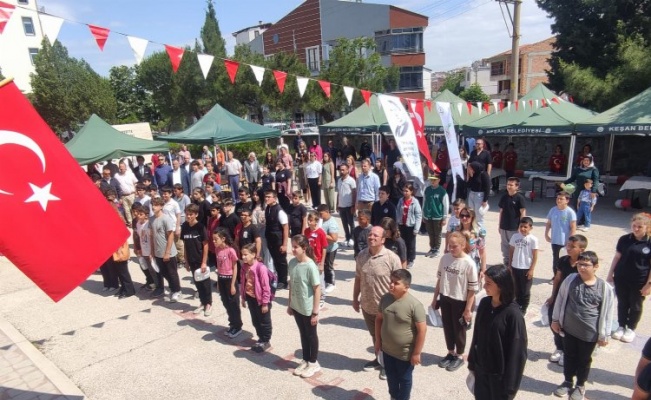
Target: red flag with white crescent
x,y
57,226
417,114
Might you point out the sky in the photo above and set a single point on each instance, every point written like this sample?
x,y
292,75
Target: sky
x,y
459,32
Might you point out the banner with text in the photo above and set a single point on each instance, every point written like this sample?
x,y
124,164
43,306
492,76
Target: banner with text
x,y
451,140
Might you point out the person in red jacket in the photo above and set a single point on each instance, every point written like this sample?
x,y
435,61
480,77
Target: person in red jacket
x,y
510,160
498,158
558,161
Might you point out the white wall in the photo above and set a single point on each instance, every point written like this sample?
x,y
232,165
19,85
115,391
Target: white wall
x,y
14,45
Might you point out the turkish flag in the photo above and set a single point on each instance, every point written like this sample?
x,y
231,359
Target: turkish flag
x,y
57,226
417,114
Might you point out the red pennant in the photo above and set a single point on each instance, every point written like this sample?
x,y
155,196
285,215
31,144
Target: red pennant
x,y
487,107
367,96
280,79
531,104
501,105
100,34
571,99
175,54
543,102
53,195
469,105
428,103
555,100
231,68
5,13
326,88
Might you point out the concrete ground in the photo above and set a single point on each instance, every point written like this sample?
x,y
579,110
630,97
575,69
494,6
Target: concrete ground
x,y
139,348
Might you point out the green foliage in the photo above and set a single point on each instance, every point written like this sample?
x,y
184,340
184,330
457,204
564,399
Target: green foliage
x,y
453,82
66,91
596,42
283,105
474,93
134,104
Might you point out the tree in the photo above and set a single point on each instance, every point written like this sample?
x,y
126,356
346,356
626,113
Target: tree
x,y
591,37
453,82
134,103
474,93
66,91
283,105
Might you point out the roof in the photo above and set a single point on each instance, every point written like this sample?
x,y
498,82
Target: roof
x,y
261,25
524,49
632,117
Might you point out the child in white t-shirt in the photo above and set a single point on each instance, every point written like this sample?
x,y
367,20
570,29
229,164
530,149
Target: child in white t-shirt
x,y
454,221
523,257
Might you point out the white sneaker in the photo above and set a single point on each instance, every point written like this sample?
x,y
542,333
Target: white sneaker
x,y
617,335
561,361
584,229
312,368
301,367
330,288
198,310
628,336
351,243
556,355
175,297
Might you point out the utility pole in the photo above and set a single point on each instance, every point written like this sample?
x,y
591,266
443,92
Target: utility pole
x,y
515,51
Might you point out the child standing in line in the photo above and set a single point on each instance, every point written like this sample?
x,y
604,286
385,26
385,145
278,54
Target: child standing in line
x,y
361,231
213,223
227,280
583,315
195,241
455,221
436,207
304,295
585,205
512,209
331,228
576,245
297,213
561,221
497,156
523,256
163,229
319,243
256,293
142,245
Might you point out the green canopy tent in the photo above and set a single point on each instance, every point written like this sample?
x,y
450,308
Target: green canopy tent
x,y
99,141
364,119
461,118
221,127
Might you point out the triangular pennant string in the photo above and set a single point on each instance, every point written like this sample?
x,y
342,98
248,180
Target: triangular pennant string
x,y
348,92
100,34
508,106
326,87
479,106
302,84
258,72
469,106
367,96
460,107
5,14
231,68
517,106
205,62
543,103
138,46
537,104
495,107
555,100
524,105
175,54
280,79
531,104
501,104
428,104
51,26
487,107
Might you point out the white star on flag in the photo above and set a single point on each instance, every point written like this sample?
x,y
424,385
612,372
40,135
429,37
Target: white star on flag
x,y
42,195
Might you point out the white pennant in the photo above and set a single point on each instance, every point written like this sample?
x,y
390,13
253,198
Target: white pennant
x,y
205,62
258,72
524,104
480,106
51,26
460,107
302,84
508,106
138,46
496,105
536,103
348,91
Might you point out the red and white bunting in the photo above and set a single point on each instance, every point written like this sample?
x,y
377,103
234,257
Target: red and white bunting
x,y
501,104
302,84
51,26
366,95
175,54
205,63
479,106
531,104
348,92
100,34
543,102
231,68
139,46
524,104
469,106
460,108
258,72
537,103
508,106
6,10
428,104
555,100
280,79
487,107
326,87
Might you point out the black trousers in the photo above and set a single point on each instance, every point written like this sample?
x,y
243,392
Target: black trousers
x,y
169,271
329,267
124,277
629,304
274,241
261,321
203,287
347,220
490,387
454,332
315,191
578,358
556,251
522,287
558,340
230,301
309,337
407,234
109,274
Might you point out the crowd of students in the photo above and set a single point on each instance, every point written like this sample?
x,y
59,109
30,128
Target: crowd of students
x,y
245,237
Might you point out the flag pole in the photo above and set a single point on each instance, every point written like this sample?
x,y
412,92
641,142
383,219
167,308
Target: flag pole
x,y
6,81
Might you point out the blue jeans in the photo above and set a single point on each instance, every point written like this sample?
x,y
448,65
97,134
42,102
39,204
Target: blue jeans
x,y
584,211
234,183
399,377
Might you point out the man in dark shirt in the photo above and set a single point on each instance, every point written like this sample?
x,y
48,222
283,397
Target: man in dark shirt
x,y
248,233
391,157
348,150
245,201
330,148
230,221
108,182
480,154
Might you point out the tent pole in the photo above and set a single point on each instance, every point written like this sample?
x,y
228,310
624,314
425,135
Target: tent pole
x,y
570,158
609,154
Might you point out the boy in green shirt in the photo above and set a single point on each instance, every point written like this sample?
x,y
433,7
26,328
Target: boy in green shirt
x,y
436,207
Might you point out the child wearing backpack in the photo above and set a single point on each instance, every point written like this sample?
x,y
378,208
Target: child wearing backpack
x,y
257,293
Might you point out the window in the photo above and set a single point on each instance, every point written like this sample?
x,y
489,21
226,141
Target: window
x,y
313,59
23,2
411,78
33,51
497,68
404,40
28,26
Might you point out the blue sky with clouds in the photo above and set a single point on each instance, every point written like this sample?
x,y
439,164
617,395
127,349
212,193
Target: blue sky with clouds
x,y
459,32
